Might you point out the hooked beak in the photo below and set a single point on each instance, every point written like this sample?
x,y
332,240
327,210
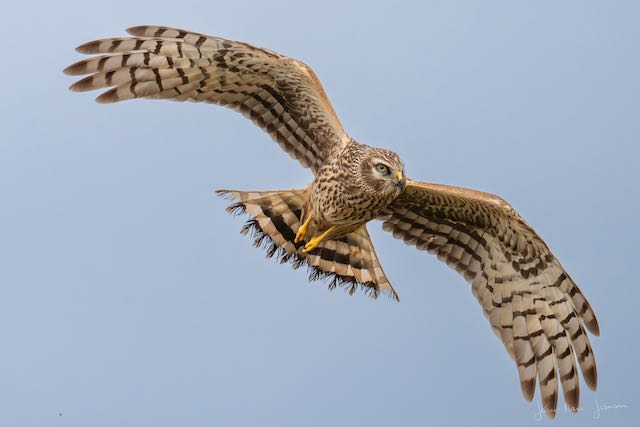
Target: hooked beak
x,y
399,180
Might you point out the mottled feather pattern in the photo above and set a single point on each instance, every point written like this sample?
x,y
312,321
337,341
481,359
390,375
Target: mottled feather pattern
x,y
531,302
348,261
281,95
533,305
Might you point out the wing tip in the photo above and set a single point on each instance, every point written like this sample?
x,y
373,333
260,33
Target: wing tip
x,y
550,412
138,30
593,326
550,404
89,47
75,69
572,399
528,388
82,85
108,97
591,377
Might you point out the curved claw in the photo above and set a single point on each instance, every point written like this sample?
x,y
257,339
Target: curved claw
x,y
315,241
303,230
311,245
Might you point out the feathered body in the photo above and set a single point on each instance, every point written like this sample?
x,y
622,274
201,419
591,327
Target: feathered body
x,y
347,192
531,302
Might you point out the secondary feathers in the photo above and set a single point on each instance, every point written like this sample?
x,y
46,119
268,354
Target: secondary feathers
x,y
531,302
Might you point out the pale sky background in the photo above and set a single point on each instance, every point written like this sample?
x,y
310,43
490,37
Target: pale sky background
x,y
128,298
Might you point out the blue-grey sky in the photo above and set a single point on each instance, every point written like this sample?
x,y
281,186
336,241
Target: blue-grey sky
x,y
128,298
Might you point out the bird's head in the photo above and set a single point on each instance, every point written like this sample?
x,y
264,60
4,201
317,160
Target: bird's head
x,y
383,171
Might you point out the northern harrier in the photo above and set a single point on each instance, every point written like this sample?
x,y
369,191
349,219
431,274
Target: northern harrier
x,y
532,303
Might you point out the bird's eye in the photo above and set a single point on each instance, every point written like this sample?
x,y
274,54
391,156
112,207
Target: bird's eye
x,y
383,169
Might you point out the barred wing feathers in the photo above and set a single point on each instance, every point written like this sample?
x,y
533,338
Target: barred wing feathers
x,y
281,95
532,303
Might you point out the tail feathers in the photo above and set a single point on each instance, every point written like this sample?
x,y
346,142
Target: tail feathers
x,y
349,261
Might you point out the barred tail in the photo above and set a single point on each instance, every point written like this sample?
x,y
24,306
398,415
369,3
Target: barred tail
x,y
348,261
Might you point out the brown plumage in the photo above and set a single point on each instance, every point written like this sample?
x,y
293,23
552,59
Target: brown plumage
x,y
533,305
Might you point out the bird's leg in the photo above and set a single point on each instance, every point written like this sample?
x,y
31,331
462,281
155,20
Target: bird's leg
x,y
315,241
302,231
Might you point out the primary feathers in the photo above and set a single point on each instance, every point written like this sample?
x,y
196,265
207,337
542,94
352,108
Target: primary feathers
x,y
281,95
532,303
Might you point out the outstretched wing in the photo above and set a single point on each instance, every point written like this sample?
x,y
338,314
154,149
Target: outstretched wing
x,y
281,95
530,300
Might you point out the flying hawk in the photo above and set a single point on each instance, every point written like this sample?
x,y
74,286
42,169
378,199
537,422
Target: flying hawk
x,y
533,305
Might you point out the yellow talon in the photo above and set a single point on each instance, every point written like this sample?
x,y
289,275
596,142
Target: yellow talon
x,y
315,241
302,231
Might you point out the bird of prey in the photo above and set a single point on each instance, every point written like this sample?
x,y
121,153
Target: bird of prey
x,y
532,303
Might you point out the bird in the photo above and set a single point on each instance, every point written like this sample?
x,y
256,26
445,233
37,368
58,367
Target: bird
x,y
533,305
